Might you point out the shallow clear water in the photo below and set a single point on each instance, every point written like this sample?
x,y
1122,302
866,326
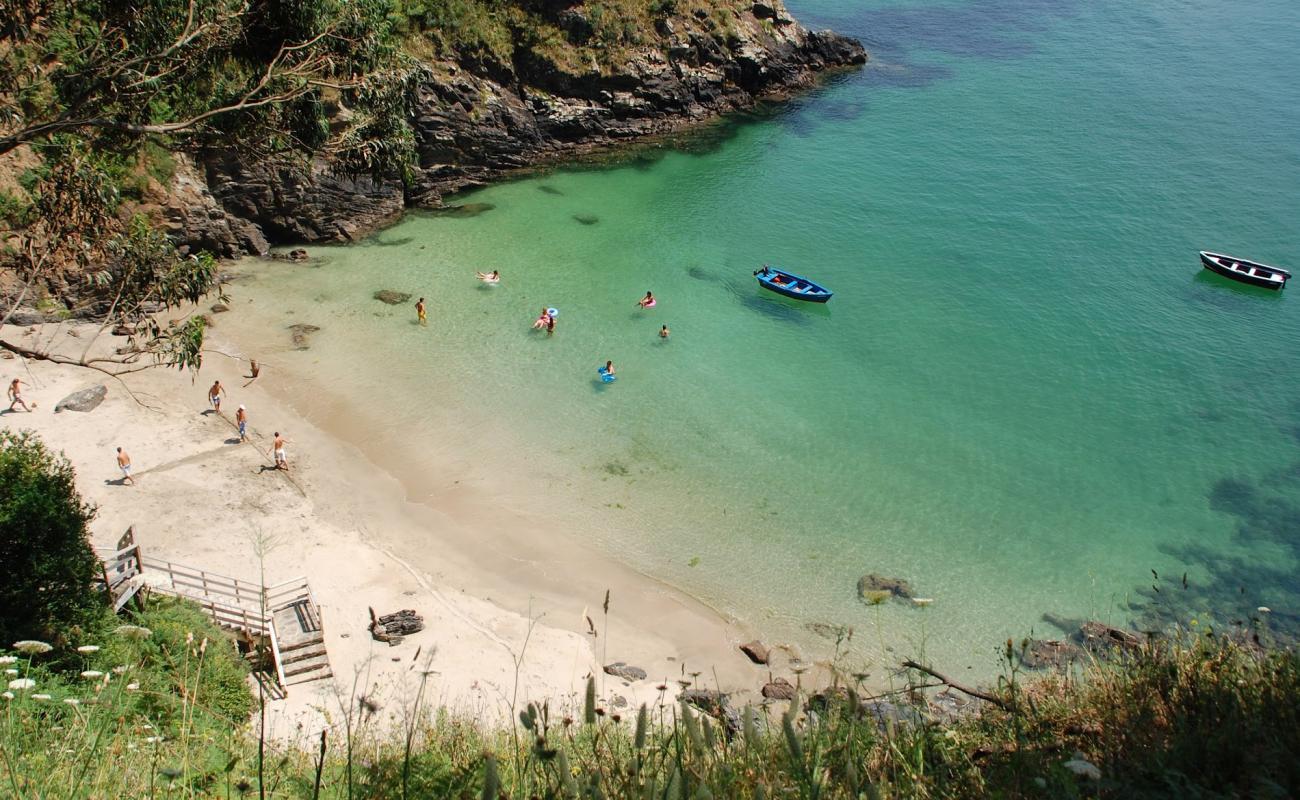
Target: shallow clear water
x,y
1025,396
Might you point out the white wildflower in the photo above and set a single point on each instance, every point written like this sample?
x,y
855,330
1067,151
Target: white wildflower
x,y
11,671
132,632
88,648
120,669
40,697
22,683
72,701
131,687
1264,609
153,740
8,659
7,695
1082,768
92,673
32,647
922,601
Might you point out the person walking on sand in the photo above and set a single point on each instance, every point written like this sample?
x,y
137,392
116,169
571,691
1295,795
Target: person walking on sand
x,y
241,419
663,332
421,313
214,395
16,395
277,446
124,464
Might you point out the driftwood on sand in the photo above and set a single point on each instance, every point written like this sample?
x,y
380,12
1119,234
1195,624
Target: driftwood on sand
x,y
393,628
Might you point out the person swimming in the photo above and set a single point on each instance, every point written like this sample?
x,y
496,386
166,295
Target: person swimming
x,y
543,321
489,277
648,301
663,332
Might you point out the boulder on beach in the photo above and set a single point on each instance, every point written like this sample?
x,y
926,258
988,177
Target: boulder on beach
x,y
84,400
756,650
871,584
778,689
628,673
392,298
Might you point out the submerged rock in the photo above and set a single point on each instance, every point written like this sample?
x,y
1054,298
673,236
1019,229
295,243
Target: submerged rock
x,y
464,210
548,189
871,583
1043,653
628,673
391,297
828,631
299,333
84,400
1102,638
756,650
587,219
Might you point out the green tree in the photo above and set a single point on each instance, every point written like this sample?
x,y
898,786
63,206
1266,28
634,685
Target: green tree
x,y
47,567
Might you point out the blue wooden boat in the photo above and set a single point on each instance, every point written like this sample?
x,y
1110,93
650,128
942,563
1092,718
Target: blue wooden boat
x,y
791,285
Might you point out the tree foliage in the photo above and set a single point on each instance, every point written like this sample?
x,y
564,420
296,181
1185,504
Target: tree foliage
x,y
47,567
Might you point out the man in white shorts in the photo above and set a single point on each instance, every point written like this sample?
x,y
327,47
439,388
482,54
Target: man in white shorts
x,y
124,464
281,461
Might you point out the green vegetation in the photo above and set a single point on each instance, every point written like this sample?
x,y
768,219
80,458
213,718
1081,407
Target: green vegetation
x,y
1208,717
46,591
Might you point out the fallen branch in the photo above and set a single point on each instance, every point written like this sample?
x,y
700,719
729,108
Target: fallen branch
x,y
976,693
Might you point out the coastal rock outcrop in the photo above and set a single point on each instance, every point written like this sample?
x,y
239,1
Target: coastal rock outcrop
x,y
391,297
84,400
778,689
756,650
476,119
1044,653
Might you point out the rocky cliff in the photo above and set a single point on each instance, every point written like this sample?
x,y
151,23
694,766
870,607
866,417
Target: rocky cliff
x,y
474,121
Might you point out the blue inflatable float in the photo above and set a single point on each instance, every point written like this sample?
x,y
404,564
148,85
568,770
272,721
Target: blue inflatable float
x,y
606,375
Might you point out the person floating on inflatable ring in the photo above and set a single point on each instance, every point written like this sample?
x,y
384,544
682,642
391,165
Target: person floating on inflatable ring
x,y
648,301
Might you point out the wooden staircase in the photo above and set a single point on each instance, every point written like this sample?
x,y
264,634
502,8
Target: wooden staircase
x,y
284,618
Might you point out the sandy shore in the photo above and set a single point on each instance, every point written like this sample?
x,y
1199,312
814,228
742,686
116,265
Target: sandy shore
x,y
506,613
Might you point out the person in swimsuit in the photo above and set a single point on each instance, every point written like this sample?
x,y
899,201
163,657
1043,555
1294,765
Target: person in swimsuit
x,y
544,321
609,367
241,418
663,332
489,277
214,395
421,313
124,464
648,301
16,395
550,325
277,445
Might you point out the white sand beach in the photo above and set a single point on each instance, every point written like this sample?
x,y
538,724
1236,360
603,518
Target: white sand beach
x,y
491,602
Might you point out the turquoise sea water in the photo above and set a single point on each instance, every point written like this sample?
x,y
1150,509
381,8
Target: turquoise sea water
x,y
1025,396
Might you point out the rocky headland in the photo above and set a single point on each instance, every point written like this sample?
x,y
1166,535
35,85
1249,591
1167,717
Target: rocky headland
x,y
477,119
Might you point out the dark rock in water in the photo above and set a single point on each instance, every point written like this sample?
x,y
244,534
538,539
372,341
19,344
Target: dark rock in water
x,y
827,630
587,219
548,189
298,255
220,308
300,331
1043,653
756,650
84,400
464,210
778,689
620,670
391,297
872,583
1069,625
1102,638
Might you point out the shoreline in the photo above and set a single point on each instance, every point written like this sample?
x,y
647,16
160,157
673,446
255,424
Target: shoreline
x,y
348,525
